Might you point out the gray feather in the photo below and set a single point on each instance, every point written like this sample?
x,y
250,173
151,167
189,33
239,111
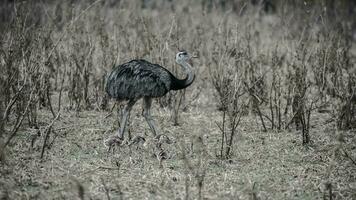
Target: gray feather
x,y
138,78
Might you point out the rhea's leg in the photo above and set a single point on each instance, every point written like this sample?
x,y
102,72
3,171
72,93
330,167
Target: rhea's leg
x,y
125,117
147,102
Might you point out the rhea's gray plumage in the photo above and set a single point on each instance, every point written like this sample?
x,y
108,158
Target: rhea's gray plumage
x,y
136,79
141,79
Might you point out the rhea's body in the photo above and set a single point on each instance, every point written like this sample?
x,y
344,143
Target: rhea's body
x,y
141,79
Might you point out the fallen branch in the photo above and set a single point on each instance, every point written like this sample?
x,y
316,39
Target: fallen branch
x,y
47,132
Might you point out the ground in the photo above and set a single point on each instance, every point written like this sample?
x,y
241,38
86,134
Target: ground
x,y
264,165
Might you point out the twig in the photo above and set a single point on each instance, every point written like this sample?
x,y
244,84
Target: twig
x,y
186,197
348,156
18,122
50,102
107,192
12,102
249,90
61,90
47,132
223,134
176,108
111,110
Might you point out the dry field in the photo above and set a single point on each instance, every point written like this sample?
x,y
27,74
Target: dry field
x,y
271,114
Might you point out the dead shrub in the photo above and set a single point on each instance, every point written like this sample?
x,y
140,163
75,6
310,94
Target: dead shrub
x,y
228,83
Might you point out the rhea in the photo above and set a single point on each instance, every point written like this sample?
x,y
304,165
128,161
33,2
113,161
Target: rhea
x,y
140,79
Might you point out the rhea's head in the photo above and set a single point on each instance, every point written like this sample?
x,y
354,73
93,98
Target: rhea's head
x,y
183,57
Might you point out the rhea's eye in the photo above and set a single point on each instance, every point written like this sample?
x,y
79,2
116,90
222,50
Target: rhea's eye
x,y
184,53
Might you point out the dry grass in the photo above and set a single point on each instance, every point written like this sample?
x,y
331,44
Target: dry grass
x,y
277,163
294,64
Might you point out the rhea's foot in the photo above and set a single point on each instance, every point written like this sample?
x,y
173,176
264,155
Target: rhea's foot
x,y
161,139
112,141
138,140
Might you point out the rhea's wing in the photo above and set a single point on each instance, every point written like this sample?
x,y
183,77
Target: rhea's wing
x,y
137,79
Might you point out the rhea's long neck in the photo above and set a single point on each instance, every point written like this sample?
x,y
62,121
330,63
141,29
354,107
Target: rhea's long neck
x,y
178,84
